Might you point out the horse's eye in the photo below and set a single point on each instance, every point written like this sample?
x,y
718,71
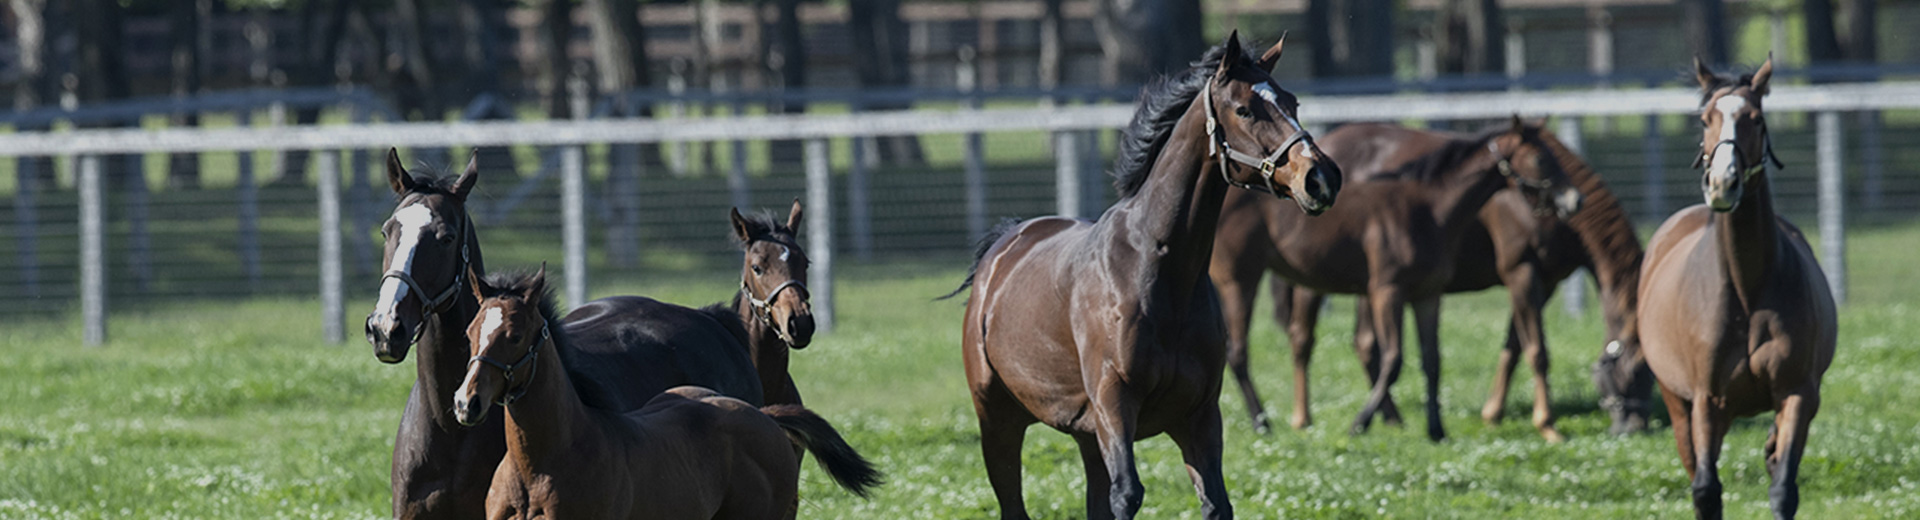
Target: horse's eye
x,y
758,271
1243,112
446,239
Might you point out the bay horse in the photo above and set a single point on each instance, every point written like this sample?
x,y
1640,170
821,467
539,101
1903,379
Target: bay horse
x,y
1400,248
1108,330
688,453
623,358
1735,315
773,300
1510,244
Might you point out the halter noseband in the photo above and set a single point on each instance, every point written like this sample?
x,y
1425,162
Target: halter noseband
x,y
1217,145
530,360
445,299
763,308
1505,165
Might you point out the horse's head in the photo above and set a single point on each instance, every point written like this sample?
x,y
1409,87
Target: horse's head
x,y
773,278
428,247
1256,136
505,339
1625,383
1735,145
1522,155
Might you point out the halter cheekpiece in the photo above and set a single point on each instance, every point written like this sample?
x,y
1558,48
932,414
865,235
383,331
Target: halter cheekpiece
x,y
1267,166
445,299
531,360
763,308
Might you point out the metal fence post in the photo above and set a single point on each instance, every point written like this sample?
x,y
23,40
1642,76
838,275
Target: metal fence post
x,y
859,218
966,75
1651,150
333,311
573,210
820,233
1574,288
1833,200
248,240
1066,170
93,258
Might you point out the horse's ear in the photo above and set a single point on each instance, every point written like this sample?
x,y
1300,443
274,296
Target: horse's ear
x,y
1519,125
397,176
1762,76
1272,56
1703,74
538,288
741,231
793,216
1231,56
464,185
479,287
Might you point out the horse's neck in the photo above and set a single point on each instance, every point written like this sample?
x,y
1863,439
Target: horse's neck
x,y
443,350
1465,188
1176,211
1747,239
549,416
768,351
1613,248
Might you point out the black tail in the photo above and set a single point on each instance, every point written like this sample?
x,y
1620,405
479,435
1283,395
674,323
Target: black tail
x,y
810,431
980,251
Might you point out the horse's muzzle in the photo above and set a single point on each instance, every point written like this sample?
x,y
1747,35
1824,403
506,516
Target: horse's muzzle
x,y
469,412
800,330
389,337
1318,188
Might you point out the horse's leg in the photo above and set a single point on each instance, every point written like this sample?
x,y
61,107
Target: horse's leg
x,y
1385,302
1003,430
1303,319
1426,317
1236,305
1532,335
1679,411
1097,485
1200,446
1115,417
1496,407
1709,425
1366,347
1784,450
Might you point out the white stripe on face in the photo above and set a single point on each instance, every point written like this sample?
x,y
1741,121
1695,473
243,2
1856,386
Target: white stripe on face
x,y
784,252
413,221
488,324
1722,160
1268,92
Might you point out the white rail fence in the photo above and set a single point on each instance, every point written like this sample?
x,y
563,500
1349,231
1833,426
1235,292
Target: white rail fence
x,y
1066,123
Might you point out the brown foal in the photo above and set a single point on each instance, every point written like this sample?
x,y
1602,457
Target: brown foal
x,y
1736,317
689,453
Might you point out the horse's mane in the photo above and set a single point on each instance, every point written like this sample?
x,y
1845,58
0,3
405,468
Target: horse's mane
x,y
1442,161
517,281
1601,218
428,180
1163,101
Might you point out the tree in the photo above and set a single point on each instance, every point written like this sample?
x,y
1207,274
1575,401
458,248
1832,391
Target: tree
x,y
1706,22
1143,38
188,37
322,24
556,30
1350,37
786,61
1468,34
880,56
620,58
36,23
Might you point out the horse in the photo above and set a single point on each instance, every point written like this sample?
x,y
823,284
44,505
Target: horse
x,y
1108,330
1736,317
1400,248
688,453
773,300
1509,244
441,469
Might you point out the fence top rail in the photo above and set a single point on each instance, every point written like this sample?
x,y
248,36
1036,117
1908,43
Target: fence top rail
x,y
1317,110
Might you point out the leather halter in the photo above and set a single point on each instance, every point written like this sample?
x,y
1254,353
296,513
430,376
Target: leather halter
x,y
531,360
1217,146
445,299
1766,149
763,308
1505,165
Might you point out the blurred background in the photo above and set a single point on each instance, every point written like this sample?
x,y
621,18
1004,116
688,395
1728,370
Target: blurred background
x,y
237,223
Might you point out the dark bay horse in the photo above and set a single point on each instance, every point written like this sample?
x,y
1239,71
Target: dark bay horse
x,y
688,453
623,354
1398,248
773,300
1108,330
1736,317
1510,244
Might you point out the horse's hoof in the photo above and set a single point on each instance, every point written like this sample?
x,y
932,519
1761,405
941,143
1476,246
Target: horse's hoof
x,y
1436,434
1492,413
1358,428
1262,428
1300,423
1552,435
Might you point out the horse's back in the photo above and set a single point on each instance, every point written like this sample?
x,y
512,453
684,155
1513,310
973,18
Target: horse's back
x,y
633,348
721,452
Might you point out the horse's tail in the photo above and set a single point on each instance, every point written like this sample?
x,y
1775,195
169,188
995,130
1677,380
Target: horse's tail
x,y
813,433
980,252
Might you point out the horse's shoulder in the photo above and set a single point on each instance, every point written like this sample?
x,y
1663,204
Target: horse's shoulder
x,y
1682,224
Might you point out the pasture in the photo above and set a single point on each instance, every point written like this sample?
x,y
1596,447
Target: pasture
x,y
222,409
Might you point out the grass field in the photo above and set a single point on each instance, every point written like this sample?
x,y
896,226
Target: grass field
x,y
234,409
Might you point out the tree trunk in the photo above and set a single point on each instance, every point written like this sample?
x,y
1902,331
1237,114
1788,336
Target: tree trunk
x,y
415,79
322,24
556,31
880,58
787,64
1706,22
36,23
1469,34
1053,29
1144,38
187,35
620,57
1351,38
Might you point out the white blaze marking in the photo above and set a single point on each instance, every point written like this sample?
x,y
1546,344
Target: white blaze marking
x,y
1268,92
1720,161
783,253
413,222
491,322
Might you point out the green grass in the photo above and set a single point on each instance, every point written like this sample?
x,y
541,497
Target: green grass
x,y
235,409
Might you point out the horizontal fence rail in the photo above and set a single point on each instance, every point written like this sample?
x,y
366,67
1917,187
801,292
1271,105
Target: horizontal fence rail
x,y
1073,147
